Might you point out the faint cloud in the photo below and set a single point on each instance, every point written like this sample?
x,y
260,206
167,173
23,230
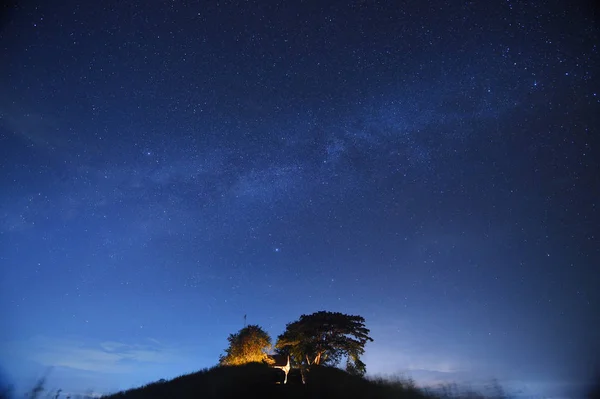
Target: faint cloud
x,y
399,349
157,342
106,357
383,360
111,346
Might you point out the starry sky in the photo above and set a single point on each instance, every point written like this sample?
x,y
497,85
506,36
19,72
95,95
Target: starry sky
x,y
168,167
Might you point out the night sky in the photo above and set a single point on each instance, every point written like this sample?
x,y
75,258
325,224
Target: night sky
x,y
170,166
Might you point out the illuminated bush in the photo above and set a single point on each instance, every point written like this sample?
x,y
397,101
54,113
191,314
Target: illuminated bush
x,y
248,345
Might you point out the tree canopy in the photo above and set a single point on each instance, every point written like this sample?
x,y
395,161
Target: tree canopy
x,y
250,344
326,338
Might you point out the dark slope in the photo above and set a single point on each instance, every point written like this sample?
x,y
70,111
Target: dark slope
x,y
256,380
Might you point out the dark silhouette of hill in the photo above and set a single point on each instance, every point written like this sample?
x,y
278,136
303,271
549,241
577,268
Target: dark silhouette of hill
x,y
259,380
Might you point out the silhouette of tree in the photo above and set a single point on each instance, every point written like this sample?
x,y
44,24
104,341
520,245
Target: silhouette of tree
x,y
250,344
324,338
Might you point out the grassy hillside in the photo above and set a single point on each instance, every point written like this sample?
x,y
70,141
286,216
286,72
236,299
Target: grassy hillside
x,y
257,380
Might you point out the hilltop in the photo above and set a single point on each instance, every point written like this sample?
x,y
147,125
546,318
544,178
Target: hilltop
x,y
259,380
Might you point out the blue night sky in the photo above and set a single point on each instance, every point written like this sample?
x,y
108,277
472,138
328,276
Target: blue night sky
x,y
170,166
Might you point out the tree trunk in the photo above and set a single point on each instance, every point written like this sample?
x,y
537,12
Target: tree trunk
x,y
317,358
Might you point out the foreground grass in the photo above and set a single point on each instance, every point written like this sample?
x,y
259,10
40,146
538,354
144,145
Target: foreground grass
x,y
260,381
